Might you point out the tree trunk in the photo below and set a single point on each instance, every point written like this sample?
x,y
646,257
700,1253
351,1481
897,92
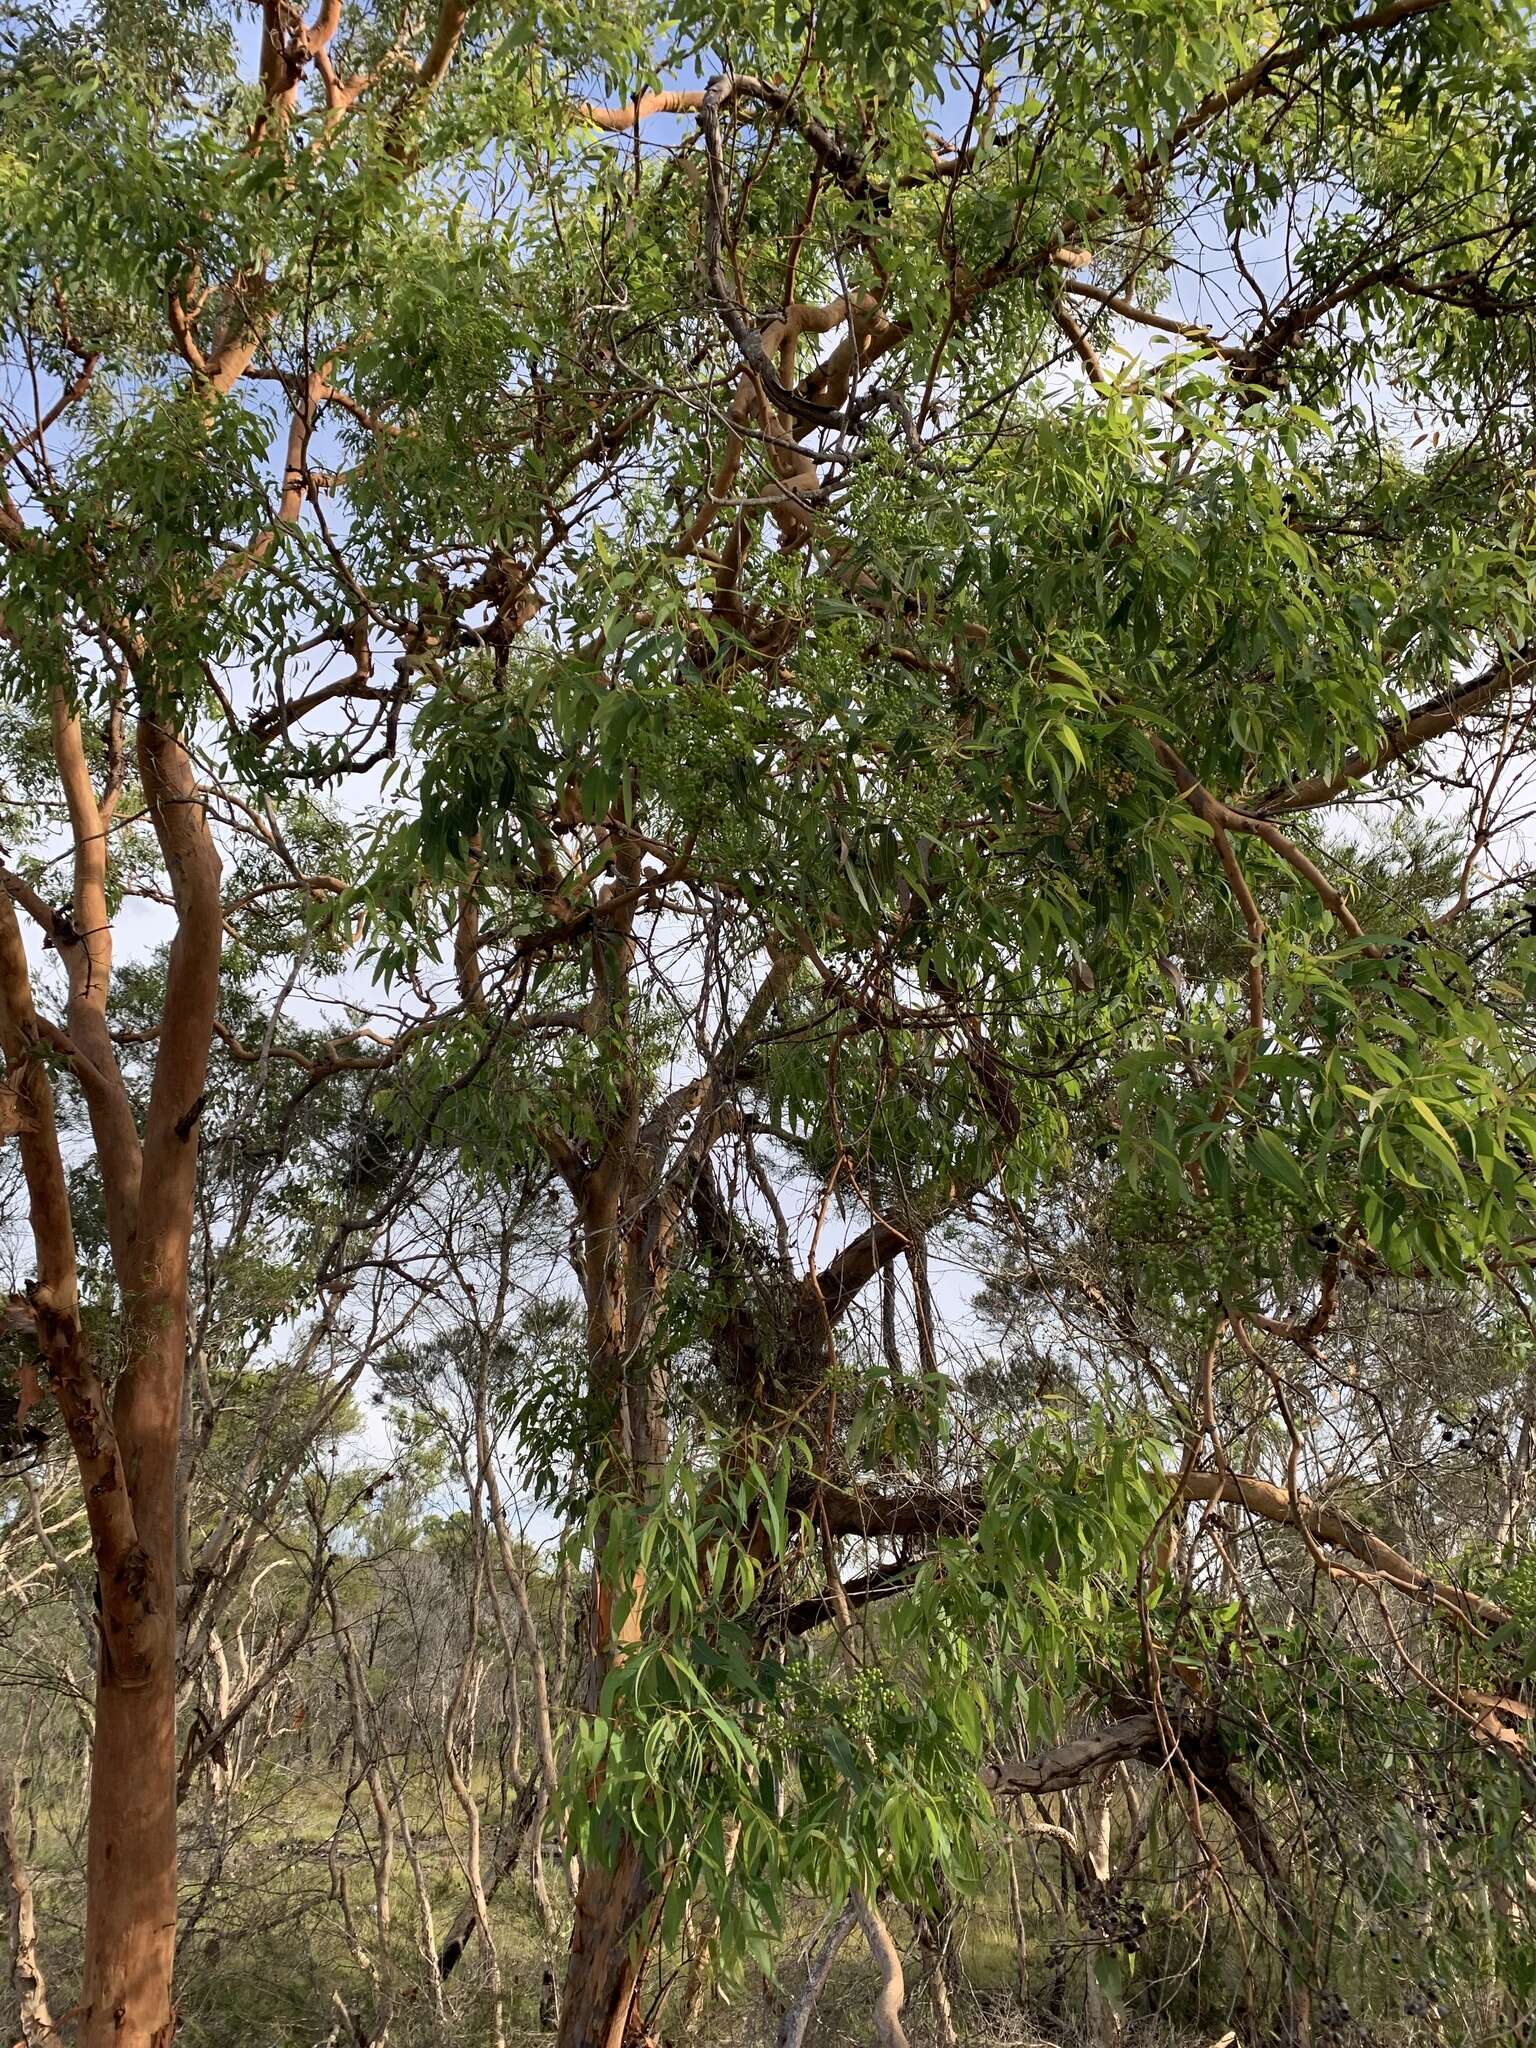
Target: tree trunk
x,y
933,1937
1020,1926
1216,1776
27,1979
701,1971
623,1281
130,1923
130,1932
1102,2020
792,2028
125,1452
892,1996
508,1849
615,1908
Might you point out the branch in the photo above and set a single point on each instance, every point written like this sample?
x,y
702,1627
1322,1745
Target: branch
x,y
503,1864
38,2028
1138,1737
1276,61
740,328
356,688
915,1511
930,1512
708,1091
209,1741
1127,310
131,1612
1082,347
70,395
177,812
827,1296
840,1283
86,948
892,1995
445,40
1219,815
1400,736
884,1583
793,2026
842,163
1342,1532
32,901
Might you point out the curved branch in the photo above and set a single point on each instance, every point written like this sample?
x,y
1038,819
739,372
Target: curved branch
x,y
748,339
131,1620
841,162
451,18
86,947
1342,1532
1219,815
1401,736
180,820
1137,1737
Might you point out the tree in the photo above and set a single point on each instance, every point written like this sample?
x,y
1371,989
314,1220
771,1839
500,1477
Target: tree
x,y
877,649
143,554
